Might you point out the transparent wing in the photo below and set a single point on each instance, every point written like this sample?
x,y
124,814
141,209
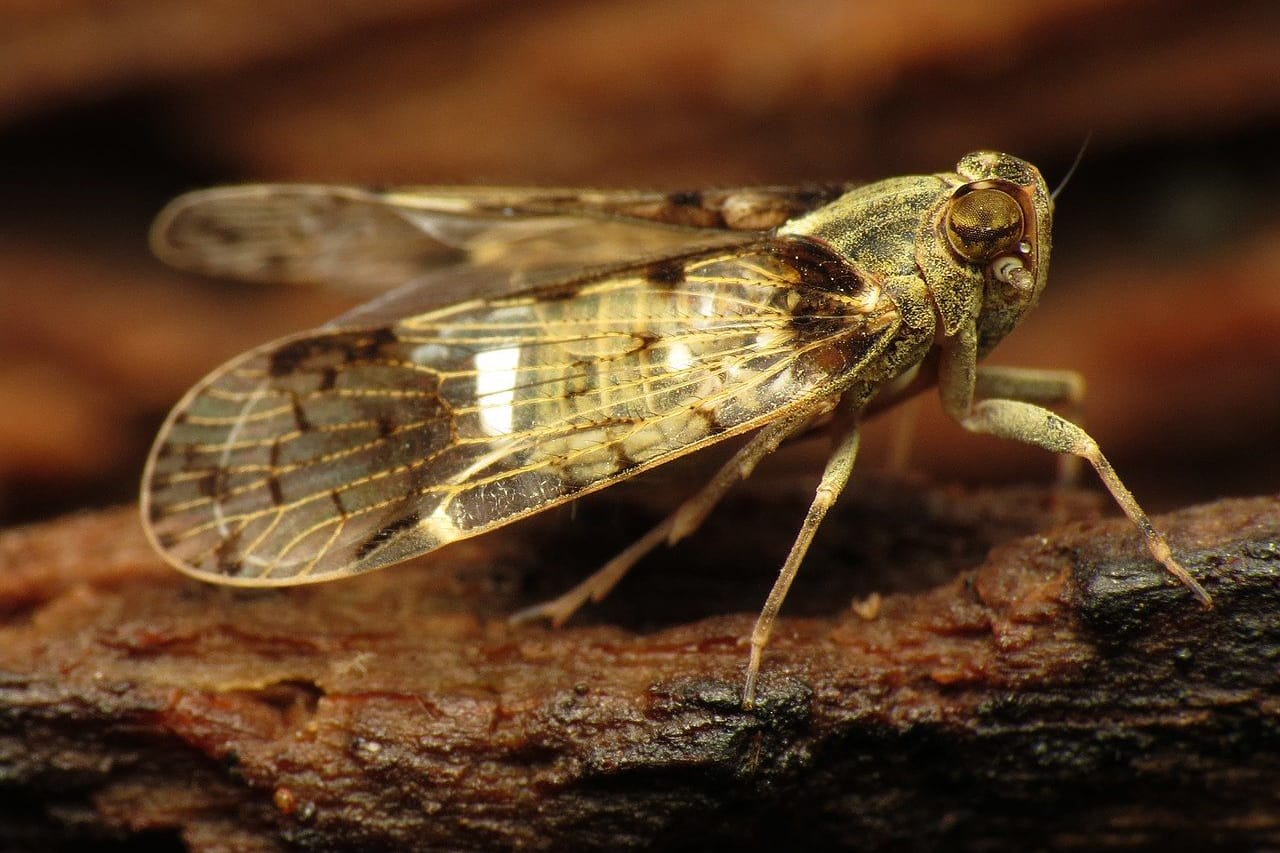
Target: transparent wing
x,y
371,241
347,449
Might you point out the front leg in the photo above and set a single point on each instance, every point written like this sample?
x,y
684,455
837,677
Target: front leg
x,y
1064,388
1025,421
1032,385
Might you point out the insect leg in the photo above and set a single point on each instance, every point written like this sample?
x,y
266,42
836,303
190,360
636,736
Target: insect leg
x,y
1033,424
907,417
684,521
1044,387
834,477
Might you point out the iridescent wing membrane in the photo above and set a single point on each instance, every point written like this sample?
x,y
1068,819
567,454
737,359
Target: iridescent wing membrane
x,y
409,425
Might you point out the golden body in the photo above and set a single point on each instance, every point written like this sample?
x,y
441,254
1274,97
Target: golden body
x,y
568,340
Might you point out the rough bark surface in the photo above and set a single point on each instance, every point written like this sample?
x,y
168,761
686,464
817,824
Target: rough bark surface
x,y
1058,692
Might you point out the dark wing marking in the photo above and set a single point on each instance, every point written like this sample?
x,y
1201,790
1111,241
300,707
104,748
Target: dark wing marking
x,y
344,450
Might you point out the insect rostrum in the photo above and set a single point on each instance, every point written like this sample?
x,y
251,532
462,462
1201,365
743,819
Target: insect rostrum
x,y
534,345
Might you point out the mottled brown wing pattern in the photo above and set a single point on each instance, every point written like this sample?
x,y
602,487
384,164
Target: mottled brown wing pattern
x,y
348,449
369,240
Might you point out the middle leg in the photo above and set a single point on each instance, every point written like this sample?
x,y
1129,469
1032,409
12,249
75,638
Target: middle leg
x,y
686,519
834,477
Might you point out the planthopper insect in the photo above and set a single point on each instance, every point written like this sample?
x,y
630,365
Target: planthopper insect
x,y
529,346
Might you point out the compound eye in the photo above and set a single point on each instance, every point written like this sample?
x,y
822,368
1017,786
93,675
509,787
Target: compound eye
x,y
984,224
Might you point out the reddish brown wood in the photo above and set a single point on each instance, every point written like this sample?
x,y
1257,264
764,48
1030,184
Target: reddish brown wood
x,y
1061,692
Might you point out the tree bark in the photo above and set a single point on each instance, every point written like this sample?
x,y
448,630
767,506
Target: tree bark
x,y
1058,691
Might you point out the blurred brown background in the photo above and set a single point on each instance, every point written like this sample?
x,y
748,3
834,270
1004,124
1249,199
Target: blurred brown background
x,y
1165,291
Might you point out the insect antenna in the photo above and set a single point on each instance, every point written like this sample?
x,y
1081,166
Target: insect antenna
x,y
1075,164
